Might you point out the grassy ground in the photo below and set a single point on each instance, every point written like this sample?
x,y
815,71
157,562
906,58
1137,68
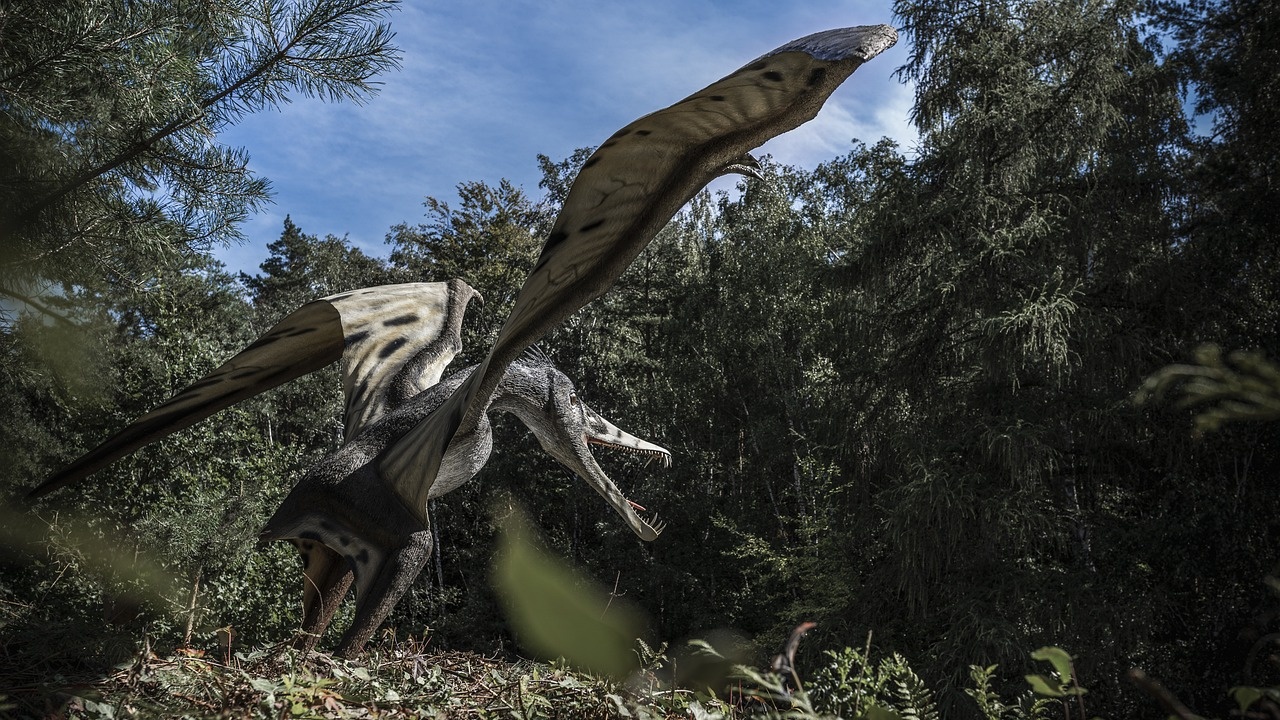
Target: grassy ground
x,y
395,679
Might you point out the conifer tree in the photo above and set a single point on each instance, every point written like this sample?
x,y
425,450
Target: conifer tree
x,y
110,166
993,284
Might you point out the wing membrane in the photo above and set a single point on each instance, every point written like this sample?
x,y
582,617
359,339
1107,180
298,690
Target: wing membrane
x,y
626,191
394,340
399,339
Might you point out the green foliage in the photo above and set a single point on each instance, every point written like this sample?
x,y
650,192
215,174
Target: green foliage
x,y
1247,697
1062,683
851,685
1243,386
992,707
555,612
897,387
109,112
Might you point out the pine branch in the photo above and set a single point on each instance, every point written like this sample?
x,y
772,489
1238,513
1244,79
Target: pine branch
x,y
310,29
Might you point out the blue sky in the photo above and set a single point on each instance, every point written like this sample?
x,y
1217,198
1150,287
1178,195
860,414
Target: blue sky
x,y
485,86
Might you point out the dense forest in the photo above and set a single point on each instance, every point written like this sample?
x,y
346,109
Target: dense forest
x,y
900,387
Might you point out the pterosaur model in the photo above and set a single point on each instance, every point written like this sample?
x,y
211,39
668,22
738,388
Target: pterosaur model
x,y
627,190
343,515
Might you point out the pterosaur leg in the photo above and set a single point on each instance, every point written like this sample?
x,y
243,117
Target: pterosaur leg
x,y
327,579
397,572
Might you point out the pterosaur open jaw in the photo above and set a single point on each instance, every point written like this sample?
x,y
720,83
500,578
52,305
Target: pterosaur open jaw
x,y
601,432
567,428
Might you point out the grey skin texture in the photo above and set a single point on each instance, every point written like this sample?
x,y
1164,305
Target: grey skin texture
x,y
350,527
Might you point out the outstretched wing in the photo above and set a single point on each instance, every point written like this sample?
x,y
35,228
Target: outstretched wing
x,y
394,340
626,191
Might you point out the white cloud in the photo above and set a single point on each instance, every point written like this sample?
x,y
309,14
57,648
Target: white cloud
x,y
845,119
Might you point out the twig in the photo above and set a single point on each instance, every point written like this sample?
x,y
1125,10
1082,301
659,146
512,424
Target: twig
x,y
1163,697
612,594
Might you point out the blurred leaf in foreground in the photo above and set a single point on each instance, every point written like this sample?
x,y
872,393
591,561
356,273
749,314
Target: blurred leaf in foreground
x,y
1241,386
554,610
23,536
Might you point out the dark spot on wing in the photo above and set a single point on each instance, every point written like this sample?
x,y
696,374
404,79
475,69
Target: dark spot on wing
x,y
773,75
203,383
262,341
325,525
816,76
363,556
555,239
189,410
644,132
609,144
592,161
310,535
757,65
717,98
619,134
402,320
344,540
591,226
269,378
392,347
356,337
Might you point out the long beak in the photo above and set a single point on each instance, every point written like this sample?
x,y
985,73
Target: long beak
x,y
599,431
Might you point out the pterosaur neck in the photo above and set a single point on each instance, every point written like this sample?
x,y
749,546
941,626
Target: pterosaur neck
x,y
523,392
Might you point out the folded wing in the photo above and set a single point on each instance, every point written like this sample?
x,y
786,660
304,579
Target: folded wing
x,y
399,339
394,340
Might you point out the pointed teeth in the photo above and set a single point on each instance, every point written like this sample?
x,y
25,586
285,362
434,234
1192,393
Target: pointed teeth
x,y
657,524
663,457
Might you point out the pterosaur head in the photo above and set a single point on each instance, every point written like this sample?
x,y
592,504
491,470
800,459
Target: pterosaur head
x,y
547,402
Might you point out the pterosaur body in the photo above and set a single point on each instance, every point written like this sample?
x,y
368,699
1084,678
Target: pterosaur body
x,y
415,449
344,515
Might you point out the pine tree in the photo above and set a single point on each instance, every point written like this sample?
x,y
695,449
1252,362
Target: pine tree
x,y
109,113
1226,51
994,284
